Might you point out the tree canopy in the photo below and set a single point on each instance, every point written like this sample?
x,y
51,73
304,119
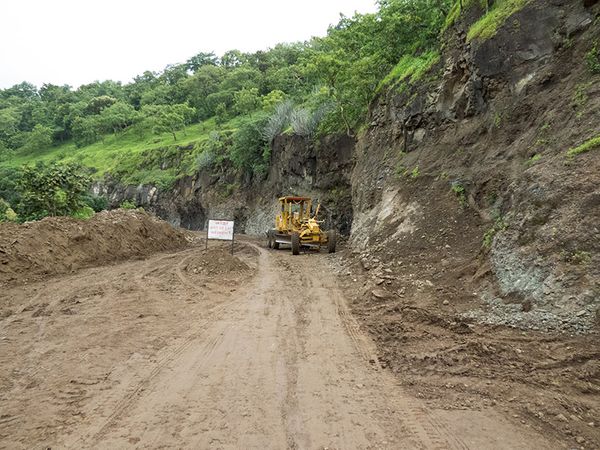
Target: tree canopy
x,y
344,67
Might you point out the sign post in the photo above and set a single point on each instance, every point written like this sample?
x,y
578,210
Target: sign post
x,y
220,230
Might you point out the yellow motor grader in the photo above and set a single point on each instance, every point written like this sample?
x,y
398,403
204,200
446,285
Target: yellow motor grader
x,y
296,226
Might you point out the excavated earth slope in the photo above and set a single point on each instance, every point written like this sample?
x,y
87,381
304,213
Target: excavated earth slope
x,y
57,245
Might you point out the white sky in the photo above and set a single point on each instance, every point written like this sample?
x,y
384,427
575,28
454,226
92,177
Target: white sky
x,y
78,41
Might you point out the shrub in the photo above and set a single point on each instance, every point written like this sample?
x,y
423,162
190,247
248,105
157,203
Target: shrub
x,y
128,204
205,160
488,237
96,202
531,161
592,58
84,213
278,121
52,190
7,214
249,150
459,190
40,138
414,174
213,150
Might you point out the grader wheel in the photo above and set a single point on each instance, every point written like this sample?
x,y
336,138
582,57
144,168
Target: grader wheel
x,y
295,244
331,241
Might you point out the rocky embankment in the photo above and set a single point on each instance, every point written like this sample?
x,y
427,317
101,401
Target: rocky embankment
x,y
466,178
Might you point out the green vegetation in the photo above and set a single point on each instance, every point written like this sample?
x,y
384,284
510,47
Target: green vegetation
x,y
496,13
410,68
47,189
458,7
580,97
461,193
128,204
497,120
414,174
577,257
488,237
488,25
531,161
592,58
588,145
7,214
216,113
52,190
163,125
340,71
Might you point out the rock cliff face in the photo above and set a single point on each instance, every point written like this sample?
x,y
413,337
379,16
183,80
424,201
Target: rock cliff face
x,y
461,185
466,177
298,166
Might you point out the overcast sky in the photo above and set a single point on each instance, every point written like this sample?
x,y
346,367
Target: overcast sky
x,y
78,41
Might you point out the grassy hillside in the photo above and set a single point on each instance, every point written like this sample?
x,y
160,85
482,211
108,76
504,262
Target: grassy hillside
x,y
135,156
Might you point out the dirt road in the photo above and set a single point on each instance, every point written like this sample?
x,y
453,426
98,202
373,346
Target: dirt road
x,y
170,352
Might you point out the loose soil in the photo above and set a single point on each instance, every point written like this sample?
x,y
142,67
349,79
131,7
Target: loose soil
x,y
165,353
57,245
548,382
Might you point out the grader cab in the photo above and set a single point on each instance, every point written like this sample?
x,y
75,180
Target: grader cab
x,y
297,226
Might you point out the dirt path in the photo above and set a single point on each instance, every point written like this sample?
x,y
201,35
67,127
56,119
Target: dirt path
x,y
157,354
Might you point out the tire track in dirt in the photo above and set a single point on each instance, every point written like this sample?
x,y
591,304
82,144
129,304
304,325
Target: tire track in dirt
x,y
192,337
418,420
430,432
279,363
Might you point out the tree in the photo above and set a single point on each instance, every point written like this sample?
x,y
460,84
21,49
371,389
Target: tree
x,y
86,130
23,91
174,73
52,190
200,60
241,77
97,104
246,100
272,99
198,87
117,117
221,115
107,88
142,83
169,118
40,138
9,120
56,106
232,59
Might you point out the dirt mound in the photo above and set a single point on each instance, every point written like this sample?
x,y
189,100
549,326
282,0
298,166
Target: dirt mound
x,y
61,244
217,261
549,379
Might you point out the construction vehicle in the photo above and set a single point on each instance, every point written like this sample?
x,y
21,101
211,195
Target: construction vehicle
x,y
297,226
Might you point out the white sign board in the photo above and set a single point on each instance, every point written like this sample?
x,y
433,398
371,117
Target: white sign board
x,y
220,229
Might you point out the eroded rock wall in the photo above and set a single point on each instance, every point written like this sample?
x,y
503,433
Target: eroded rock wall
x,y
464,178
298,166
